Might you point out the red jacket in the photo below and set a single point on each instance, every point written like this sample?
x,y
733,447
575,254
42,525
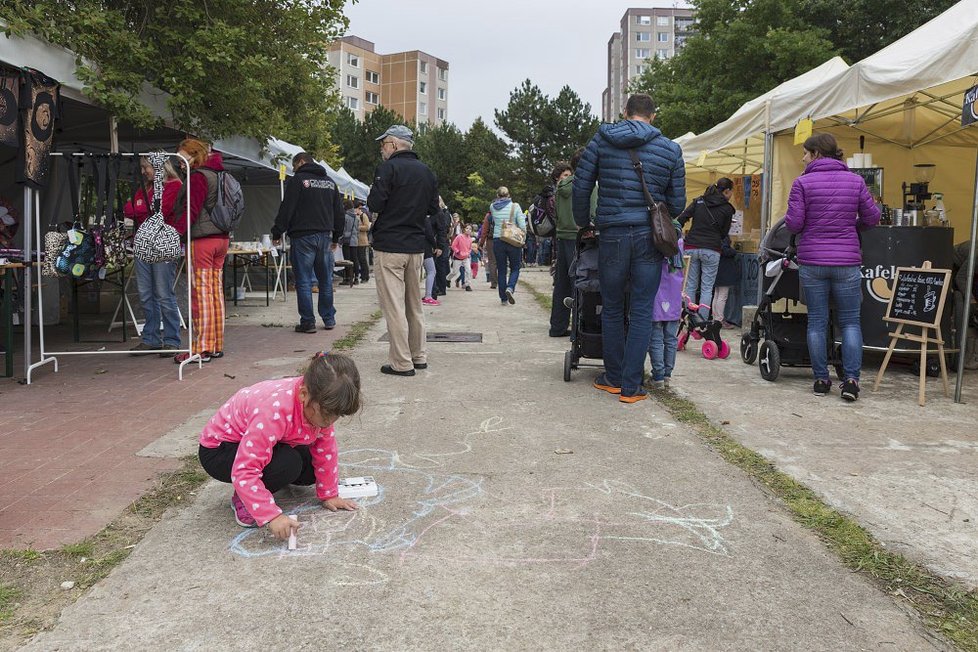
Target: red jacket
x,y
137,208
198,190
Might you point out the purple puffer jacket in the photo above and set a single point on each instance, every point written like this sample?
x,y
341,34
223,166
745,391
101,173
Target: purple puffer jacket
x,y
827,205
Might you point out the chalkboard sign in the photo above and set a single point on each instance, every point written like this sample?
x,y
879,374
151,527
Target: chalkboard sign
x,y
918,296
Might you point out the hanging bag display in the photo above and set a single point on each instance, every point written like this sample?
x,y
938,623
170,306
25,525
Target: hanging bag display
x,y
665,232
510,233
116,238
78,256
156,241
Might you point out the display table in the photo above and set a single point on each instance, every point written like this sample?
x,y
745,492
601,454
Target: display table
x,y
248,261
885,248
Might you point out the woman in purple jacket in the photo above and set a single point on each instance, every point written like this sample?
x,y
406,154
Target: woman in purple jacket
x,y
827,208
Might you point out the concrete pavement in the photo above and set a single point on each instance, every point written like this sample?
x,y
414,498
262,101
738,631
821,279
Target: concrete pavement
x,y
517,512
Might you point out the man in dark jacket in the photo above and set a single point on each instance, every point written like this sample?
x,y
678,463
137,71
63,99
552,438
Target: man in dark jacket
x,y
628,261
404,192
312,214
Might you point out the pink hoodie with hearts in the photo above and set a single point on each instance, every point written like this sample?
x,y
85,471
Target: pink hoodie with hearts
x,y
258,418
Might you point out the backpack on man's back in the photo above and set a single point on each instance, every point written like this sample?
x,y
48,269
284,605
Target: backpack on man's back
x,y
228,208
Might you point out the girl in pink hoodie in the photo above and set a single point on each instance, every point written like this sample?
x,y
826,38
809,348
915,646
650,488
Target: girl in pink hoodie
x,y
461,253
280,432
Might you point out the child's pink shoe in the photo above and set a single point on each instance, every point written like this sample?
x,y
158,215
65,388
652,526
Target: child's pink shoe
x,y
241,514
431,302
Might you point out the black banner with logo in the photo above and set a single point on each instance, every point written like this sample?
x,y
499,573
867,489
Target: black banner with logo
x,y
969,112
39,103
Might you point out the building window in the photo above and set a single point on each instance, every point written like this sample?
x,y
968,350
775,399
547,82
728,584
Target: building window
x,y
639,70
442,94
662,54
422,108
441,114
424,67
642,53
353,60
423,88
373,98
643,20
643,36
443,74
662,21
352,82
373,77
353,103
662,37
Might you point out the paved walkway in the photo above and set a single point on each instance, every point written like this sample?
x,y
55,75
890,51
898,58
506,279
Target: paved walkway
x,y
517,512
905,472
72,443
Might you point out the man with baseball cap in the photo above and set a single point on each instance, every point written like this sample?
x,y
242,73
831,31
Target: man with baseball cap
x,y
403,193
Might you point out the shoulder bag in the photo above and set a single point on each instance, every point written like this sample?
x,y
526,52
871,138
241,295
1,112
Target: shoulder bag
x,y
665,233
510,233
156,241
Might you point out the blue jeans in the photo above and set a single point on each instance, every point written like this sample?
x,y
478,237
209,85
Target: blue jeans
x,y
312,260
662,348
543,251
159,302
507,256
844,286
703,266
627,262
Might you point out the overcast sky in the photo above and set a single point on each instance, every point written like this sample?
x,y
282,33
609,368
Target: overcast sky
x,y
492,46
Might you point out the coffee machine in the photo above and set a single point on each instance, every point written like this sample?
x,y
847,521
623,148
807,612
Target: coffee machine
x,y
915,194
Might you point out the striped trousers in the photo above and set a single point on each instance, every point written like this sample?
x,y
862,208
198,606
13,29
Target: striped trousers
x,y
207,294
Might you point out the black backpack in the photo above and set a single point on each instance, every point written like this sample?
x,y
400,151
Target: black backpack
x,y
543,215
229,207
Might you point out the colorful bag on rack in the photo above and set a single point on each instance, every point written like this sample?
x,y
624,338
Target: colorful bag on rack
x,y
78,257
156,241
54,244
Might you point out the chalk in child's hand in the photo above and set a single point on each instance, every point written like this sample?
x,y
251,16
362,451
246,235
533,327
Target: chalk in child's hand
x,y
292,542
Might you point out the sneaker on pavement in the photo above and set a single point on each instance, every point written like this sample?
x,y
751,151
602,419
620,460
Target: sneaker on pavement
x,y
431,302
601,382
822,387
468,288
641,395
656,384
850,390
391,371
510,297
241,514
305,328
143,349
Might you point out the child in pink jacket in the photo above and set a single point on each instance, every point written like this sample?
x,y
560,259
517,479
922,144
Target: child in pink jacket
x,y
461,261
280,432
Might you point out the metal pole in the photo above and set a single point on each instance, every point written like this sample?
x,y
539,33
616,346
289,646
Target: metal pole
x,y
28,276
967,293
766,186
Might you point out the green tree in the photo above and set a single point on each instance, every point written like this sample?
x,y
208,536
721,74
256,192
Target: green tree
x,y
355,140
542,131
442,148
488,165
254,68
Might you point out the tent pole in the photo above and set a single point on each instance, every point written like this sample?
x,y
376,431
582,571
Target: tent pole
x,y
28,219
766,186
967,293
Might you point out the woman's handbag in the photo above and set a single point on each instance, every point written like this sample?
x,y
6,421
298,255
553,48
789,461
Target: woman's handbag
x,y
665,232
54,244
510,233
156,241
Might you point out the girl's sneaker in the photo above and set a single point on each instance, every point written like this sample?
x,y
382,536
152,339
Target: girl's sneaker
x,y
431,302
241,514
850,390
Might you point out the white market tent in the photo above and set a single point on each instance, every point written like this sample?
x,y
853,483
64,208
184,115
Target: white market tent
x,y
905,101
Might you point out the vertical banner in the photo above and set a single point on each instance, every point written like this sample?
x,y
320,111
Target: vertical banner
x,y
969,112
39,103
9,108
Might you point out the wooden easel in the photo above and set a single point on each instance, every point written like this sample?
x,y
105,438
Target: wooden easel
x,y
927,329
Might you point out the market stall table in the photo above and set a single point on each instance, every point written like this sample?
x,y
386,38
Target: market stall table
x,y
249,261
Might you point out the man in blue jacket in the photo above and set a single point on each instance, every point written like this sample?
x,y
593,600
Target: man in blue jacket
x,y
628,261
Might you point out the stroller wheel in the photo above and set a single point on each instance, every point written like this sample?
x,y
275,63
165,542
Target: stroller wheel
x,y
748,349
568,363
724,350
696,334
681,343
710,350
769,360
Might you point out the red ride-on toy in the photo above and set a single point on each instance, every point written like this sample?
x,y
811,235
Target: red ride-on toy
x,y
692,324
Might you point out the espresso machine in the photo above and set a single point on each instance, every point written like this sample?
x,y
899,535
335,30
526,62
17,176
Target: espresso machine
x,y
915,194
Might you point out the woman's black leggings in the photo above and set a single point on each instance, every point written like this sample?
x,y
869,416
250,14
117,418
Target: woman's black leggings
x,y
288,465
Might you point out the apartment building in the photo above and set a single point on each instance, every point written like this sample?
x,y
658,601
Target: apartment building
x,y
414,83
645,34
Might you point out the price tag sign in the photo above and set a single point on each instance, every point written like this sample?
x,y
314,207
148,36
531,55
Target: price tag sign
x,y
281,172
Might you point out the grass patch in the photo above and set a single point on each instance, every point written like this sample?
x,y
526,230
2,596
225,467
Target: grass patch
x,y
31,597
544,300
357,332
944,605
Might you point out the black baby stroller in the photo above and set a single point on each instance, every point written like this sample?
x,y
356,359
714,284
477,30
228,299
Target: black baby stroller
x,y
585,304
784,332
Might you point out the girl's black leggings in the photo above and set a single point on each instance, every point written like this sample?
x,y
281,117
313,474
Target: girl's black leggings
x,y
288,465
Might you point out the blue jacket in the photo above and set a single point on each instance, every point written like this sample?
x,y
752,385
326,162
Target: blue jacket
x,y
620,198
